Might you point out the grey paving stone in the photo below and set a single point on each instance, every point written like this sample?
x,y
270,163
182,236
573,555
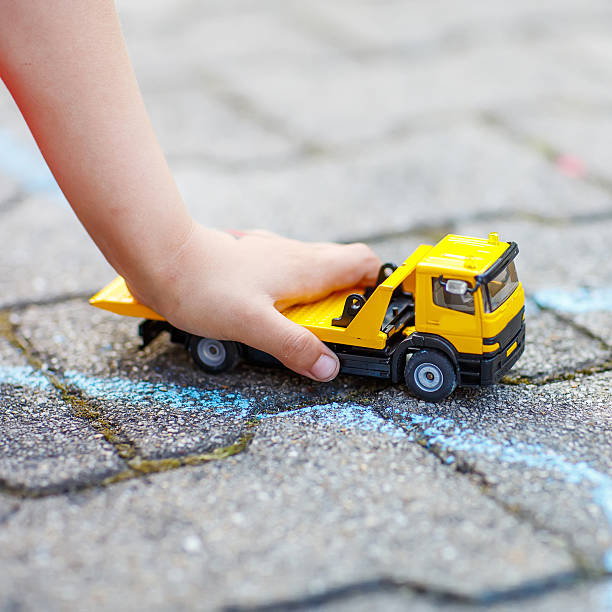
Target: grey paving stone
x,y
289,65
9,505
541,450
339,100
389,601
330,496
597,323
397,26
578,132
309,507
192,125
43,445
187,44
429,178
555,348
46,253
9,192
588,595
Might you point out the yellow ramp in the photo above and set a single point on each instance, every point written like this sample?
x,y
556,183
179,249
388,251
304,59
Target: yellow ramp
x,y
117,298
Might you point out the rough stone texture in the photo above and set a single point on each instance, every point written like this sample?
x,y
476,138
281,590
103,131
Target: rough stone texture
x,y
566,599
194,126
390,122
43,445
556,348
406,184
539,449
46,253
320,506
580,133
597,323
9,192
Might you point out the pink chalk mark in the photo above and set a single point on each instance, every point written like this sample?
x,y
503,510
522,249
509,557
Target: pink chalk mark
x,y
571,166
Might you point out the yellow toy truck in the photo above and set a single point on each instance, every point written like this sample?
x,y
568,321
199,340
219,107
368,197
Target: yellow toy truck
x,y
451,314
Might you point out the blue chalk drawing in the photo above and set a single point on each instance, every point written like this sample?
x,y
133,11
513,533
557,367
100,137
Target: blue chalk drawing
x,y
231,405
448,434
23,376
595,299
344,416
220,402
23,165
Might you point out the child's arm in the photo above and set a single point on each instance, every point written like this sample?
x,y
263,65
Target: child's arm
x,y
67,67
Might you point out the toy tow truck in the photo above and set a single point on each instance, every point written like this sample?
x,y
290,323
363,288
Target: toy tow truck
x,y
451,314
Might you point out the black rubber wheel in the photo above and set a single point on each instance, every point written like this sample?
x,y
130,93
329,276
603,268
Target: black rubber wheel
x,y
214,355
430,375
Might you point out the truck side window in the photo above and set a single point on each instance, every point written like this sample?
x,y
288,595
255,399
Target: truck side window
x,y
461,303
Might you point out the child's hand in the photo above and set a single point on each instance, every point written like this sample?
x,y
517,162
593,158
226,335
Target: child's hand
x,y
229,288
70,74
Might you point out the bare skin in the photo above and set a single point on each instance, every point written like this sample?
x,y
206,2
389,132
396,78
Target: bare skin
x,y
68,69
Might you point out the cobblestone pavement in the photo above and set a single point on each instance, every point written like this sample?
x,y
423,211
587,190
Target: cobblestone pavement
x,y
129,480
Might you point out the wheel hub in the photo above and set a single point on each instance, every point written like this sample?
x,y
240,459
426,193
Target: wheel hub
x,y
211,352
428,377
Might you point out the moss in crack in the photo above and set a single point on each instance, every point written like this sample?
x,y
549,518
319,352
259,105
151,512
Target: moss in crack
x,y
89,411
137,468
8,331
140,467
565,376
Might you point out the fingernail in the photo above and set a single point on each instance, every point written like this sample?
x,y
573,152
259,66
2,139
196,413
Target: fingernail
x,y
325,368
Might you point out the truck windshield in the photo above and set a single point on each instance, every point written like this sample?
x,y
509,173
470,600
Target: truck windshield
x,y
500,288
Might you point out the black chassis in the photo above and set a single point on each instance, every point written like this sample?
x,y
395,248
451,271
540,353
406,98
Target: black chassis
x,y
389,363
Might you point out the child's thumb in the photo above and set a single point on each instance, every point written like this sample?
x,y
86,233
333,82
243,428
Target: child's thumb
x,y
296,347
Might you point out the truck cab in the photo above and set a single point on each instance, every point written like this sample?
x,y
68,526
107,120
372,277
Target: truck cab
x,y
452,314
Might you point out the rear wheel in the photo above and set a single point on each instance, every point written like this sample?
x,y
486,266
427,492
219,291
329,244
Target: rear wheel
x,y
214,355
430,375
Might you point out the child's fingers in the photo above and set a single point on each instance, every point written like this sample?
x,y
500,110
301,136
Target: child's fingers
x,y
339,267
366,262
293,345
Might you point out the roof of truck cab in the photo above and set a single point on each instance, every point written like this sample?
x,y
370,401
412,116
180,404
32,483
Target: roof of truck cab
x,y
463,255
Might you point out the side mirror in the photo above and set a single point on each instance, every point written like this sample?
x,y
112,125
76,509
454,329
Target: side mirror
x,y
456,287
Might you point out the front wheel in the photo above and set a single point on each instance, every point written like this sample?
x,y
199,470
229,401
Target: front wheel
x,y
430,375
214,355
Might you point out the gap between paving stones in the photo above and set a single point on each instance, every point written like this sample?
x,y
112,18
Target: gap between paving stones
x,y
12,202
545,149
91,411
48,301
526,591
244,107
567,374
12,511
461,37
586,570
438,229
